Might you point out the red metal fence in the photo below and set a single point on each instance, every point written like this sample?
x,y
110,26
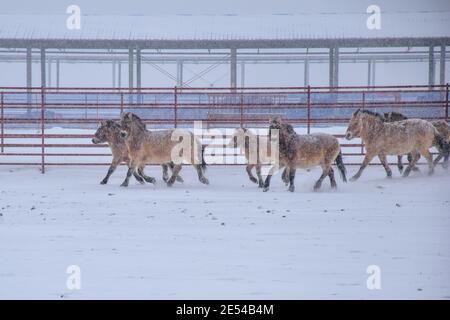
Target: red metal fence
x,y
37,123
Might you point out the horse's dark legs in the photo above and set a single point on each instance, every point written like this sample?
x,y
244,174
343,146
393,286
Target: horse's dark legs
x,y
285,176
268,178
175,170
384,162
165,172
412,163
415,168
318,183
171,165
201,177
400,163
332,179
258,173
146,178
249,168
130,172
365,163
291,179
111,169
443,153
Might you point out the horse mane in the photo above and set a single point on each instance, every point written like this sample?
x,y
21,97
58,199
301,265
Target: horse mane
x,y
138,121
394,116
372,113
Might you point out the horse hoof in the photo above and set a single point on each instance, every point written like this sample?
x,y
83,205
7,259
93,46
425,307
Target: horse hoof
x,y
151,180
265,189
124,185
252,179
353,179
103,182
291,188
205,181
260,185
180,179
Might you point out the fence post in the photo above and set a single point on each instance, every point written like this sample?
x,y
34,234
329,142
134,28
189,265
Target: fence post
x,y
242,110
446,102
175,107
121,103
3,125
42,130
308,128
363,106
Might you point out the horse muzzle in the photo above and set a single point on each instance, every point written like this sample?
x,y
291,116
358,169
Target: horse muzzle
x,y
95,141
123,134
348,136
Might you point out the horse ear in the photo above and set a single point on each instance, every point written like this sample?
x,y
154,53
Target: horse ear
x,y
276,120
130,116
102,123
356,112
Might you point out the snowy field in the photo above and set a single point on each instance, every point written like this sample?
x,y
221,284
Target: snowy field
x,y
225,240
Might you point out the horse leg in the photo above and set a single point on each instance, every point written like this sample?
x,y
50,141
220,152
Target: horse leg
x,y
399,163
291,179
285,176
318,183
414,157
249,168
201,177
427,155
130,172
384,162
365,163
143,175
410,157
179,178
111,169
175,170
165,172
268,178
258,173
332,179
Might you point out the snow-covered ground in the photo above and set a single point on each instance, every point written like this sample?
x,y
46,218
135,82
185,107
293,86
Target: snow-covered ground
x,y
225,240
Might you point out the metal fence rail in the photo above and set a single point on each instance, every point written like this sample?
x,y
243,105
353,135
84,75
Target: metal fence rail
x,y
37,123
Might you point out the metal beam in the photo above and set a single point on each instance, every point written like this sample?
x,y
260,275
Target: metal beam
x,y
331,68
242,74
336,67
43,76
130,67
180,73
138,68
442,66
306,73
57,73
431,69
223,44
233,67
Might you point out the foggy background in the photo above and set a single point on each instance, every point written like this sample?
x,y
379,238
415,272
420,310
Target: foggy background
x,y
19,17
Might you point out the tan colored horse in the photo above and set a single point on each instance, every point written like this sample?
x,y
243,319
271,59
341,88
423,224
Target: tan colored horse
x,y
157,147
109,132
249,144
380,139
443,129
306,151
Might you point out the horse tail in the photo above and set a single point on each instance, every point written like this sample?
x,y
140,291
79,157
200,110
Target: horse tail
x,y
203,158
341,166
441,144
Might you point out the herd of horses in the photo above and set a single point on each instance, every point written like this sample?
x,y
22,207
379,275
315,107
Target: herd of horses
x,y
382,135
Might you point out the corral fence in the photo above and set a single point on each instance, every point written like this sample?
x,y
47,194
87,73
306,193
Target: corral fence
x,y
54,126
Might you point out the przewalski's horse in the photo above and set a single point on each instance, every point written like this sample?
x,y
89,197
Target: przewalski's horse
x,y
159,147
250,145
109,132
306,151
381,138
441,126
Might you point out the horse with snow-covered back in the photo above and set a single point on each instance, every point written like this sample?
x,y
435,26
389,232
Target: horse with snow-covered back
x,y
441,126
381,138
304,152
109,132
160,147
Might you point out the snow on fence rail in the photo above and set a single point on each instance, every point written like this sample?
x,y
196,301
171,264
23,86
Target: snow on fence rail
x,y
37,123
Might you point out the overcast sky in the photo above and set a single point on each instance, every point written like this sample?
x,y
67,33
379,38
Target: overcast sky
x,y
149,7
